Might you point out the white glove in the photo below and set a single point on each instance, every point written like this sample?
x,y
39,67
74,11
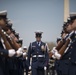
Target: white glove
x,y
11,52
53,56
57,55
53,50
19,53
24,54
29,67
45,68
20,49
43,48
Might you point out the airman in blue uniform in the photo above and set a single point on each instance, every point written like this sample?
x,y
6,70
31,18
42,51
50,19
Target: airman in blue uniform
x,y
67,64
4,53
39,52
25,63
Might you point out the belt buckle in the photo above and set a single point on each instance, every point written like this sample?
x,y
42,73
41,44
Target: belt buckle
x,y
37,56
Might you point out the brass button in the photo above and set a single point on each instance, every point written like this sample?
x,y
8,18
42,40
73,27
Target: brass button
x,y
75,36
71,47
73,41
70,52
69,58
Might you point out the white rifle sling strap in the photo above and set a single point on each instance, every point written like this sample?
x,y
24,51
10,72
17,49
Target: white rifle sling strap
x,y
2,41
46,47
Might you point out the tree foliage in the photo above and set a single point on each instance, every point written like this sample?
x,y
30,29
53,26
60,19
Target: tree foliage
x,y
51,45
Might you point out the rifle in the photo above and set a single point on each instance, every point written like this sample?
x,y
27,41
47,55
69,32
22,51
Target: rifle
x,y
62,50
9,42
62,44
7,45
57,47
12,42
10,39
15,45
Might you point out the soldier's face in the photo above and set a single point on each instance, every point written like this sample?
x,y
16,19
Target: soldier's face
x,y
2,22
20,44
9,32
13,37
69,28
24,50
38,38
63,35
74,25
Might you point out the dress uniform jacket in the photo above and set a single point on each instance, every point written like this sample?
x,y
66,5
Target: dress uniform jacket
x,y
67,64
3,54
25,65
34,52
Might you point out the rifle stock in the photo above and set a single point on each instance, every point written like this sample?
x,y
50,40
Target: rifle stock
x,y
9,42
62,50
7,45
13,43
58,47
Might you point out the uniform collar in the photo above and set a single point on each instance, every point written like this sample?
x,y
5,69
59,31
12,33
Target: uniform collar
x,y
38,42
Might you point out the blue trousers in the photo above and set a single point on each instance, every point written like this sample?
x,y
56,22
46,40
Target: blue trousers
x,y
37,71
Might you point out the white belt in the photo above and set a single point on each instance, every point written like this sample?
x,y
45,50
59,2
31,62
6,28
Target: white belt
x,y
38,56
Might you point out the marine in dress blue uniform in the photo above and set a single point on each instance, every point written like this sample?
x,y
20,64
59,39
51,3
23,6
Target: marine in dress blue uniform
x,y
39,53
67,64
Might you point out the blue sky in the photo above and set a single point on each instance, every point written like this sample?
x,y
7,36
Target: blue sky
x,y
31,15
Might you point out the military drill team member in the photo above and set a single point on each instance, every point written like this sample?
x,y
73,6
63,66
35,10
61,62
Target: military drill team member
x,y
63,34
8,65
59,39
3,52
67,64
25,63
20,60
39,53
16,61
